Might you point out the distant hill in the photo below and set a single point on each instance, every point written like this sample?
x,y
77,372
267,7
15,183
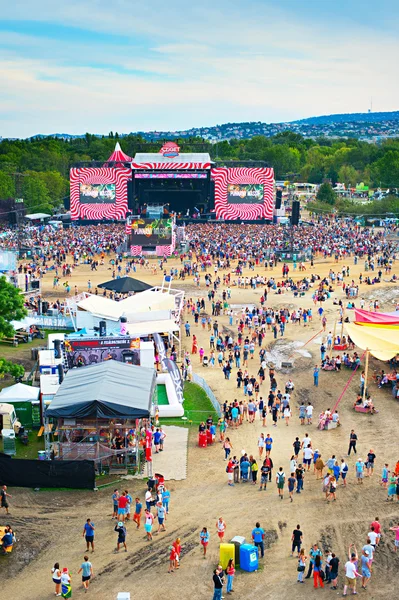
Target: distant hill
x,y
367,126
368,117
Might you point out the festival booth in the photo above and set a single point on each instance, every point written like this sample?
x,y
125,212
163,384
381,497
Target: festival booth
x,y
97,414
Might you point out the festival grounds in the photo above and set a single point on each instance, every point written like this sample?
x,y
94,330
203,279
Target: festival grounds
x,y
49,524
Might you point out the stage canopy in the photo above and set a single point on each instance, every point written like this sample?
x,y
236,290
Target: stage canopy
x,y
381,343
124,285
365,317
104,391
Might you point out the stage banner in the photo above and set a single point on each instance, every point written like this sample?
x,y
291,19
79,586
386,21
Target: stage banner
x,y
170,366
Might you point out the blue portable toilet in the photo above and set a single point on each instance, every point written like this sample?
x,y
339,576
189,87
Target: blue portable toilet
x,y
249,559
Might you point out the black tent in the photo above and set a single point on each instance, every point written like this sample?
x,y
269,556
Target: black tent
x,y
105,390
124,285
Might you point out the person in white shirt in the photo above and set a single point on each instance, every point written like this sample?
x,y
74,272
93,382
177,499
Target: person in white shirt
x,y
306,441
372,536
309,413
350,575
307,456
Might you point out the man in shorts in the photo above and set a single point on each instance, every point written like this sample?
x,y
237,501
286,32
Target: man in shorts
x,y
161,516
86,568
137,513
88,533
350,575
307,457
122,504
296,539
121,531
4,496
359,467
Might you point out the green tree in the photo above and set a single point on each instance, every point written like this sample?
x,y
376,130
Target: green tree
x,y
11,307
326,194
35,193
7,188
348,175
9,368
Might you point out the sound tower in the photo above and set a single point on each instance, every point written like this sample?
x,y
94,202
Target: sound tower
x,y
295,212
279,196
103,328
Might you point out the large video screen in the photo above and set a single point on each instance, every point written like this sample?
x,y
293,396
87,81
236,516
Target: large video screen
x,y
151,232
97,193
245,193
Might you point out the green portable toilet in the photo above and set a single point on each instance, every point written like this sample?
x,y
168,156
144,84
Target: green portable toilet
x,y
25,400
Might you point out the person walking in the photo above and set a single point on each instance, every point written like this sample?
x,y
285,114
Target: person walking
x,y
149,521
258,536
351,574
396,530
160,516
88,533
204,539
291,486
218,582
121,531
352,442
314,551
172,559
280,481
366,568
137,513
334,564
316,372
66,588
230,572
4,496
296,539
86,568
56,575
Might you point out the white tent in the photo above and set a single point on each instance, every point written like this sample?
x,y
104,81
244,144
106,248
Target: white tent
x,y
19,393
145,302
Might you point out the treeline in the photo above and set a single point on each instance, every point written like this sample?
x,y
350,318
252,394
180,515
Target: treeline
x,y
37,170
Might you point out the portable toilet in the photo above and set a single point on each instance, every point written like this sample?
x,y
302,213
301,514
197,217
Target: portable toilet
x,y
238,541
249,558
226,552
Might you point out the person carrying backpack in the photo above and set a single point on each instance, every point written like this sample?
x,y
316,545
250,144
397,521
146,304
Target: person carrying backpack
x,y
280,480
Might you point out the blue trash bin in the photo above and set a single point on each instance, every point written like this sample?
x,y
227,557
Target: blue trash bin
x,y
249,560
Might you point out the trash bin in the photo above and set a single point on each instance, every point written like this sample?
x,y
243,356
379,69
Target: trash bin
x,y
202,442
226,552
249,559
209,438
238,541
41,455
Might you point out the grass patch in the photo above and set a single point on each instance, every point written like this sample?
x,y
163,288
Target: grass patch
x,y
197,407
31,450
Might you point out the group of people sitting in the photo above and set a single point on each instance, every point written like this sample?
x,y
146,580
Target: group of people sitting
x,y
326,417
366,403
8,540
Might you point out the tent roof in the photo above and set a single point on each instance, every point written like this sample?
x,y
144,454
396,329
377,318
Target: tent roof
x,y
111,309
123,285
19,391
118,156
374,318
105,390
382,343
150,327
188,157
35,216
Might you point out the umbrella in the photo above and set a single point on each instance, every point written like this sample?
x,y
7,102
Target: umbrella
x,y
124,285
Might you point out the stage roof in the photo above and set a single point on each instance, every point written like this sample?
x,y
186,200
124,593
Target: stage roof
x,y
105,390
118,156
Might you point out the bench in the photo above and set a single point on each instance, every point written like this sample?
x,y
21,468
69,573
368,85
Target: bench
x,y
363,409
331,425
11,341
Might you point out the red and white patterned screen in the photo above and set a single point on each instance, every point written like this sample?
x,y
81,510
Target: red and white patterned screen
x,y
224,177
115,210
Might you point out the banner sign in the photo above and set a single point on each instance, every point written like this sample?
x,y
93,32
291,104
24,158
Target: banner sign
x,y
88,351
170,366
151,232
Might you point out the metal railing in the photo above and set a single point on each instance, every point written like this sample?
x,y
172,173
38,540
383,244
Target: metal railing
x,y
203,384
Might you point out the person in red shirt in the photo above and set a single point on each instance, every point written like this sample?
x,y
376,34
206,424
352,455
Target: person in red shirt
x,y
377,528
122,503
230,472
177,546
172,559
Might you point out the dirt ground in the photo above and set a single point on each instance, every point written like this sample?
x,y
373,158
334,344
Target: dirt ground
x,y
49,524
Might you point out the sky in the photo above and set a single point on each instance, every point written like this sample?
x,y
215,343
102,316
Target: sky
x,y
77,66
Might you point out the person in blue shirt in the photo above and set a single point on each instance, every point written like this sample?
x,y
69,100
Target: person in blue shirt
x,y
137,512
187,328
157,439
204,539
316,376
7,541
268,444
244,468
166,499
86,568
258,536
88,533
336,470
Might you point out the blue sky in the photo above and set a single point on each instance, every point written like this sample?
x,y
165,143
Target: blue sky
x,y
94,65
